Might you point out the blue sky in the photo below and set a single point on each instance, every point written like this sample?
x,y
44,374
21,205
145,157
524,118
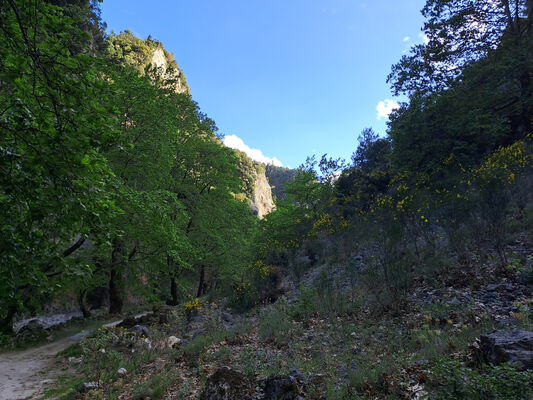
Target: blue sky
x,y
290,78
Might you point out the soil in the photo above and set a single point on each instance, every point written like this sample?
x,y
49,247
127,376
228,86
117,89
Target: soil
x,y
27,373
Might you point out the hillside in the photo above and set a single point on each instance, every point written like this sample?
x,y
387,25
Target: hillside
x,y
277,178
138,53
256,188
405,273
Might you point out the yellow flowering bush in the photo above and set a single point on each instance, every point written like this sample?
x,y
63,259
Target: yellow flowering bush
x,y
192,307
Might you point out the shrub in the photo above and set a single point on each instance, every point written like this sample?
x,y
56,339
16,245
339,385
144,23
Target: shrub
x,y
453,381
243,297
274,326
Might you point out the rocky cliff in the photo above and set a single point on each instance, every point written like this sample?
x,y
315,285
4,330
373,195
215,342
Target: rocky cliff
x,y
255,185
262,202
139,53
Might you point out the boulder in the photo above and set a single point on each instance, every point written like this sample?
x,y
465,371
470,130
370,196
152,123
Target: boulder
x,y
31,332
86,387
173,341
227,384
511,346
128,322
140,330
227,317
284,387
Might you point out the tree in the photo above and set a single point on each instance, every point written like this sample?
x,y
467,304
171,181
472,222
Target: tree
x,y
54,121
459,33
371,154
205,176
469,86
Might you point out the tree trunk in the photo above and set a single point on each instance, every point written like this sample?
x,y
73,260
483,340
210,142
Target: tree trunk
x,y
173,292
6,323
202,282
81,302
115,292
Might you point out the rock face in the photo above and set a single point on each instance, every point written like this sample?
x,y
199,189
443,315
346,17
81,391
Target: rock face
x,y
140,53
32,331
512,346
160,61
262,202
284,387
227,384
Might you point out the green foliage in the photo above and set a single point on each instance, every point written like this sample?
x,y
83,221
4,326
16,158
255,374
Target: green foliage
x,y
243,297
128,49
109,174
455,40
55,122
193,351
278,177
154,388
452,380
275,326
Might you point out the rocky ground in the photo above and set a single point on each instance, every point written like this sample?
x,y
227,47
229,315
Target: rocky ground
x,y
29,373
328,339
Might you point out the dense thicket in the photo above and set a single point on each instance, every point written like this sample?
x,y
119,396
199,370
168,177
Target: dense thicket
x,y
450,182
277,178
110,177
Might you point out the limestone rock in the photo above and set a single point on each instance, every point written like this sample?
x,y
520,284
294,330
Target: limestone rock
x,y
262,202
86,387
173,341
227,384
32,331
140,330
512,346
284,387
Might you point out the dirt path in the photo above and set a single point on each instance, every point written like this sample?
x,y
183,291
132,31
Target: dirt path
x,y
25,374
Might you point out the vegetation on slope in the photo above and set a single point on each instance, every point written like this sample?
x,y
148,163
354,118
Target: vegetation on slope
x,y
398,261
110,178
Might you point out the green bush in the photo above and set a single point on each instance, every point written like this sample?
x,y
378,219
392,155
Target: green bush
x,y
453,381
275,326
243,297
154,388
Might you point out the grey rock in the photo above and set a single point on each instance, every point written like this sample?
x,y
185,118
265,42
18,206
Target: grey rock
x,y
284,387
86,387
227,384
32,331
500,287
140,330
508,323
512,346
454,302
317,378
226,316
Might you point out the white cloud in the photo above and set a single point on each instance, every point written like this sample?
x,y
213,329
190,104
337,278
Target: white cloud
x,y
236,142
406,39
384,108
